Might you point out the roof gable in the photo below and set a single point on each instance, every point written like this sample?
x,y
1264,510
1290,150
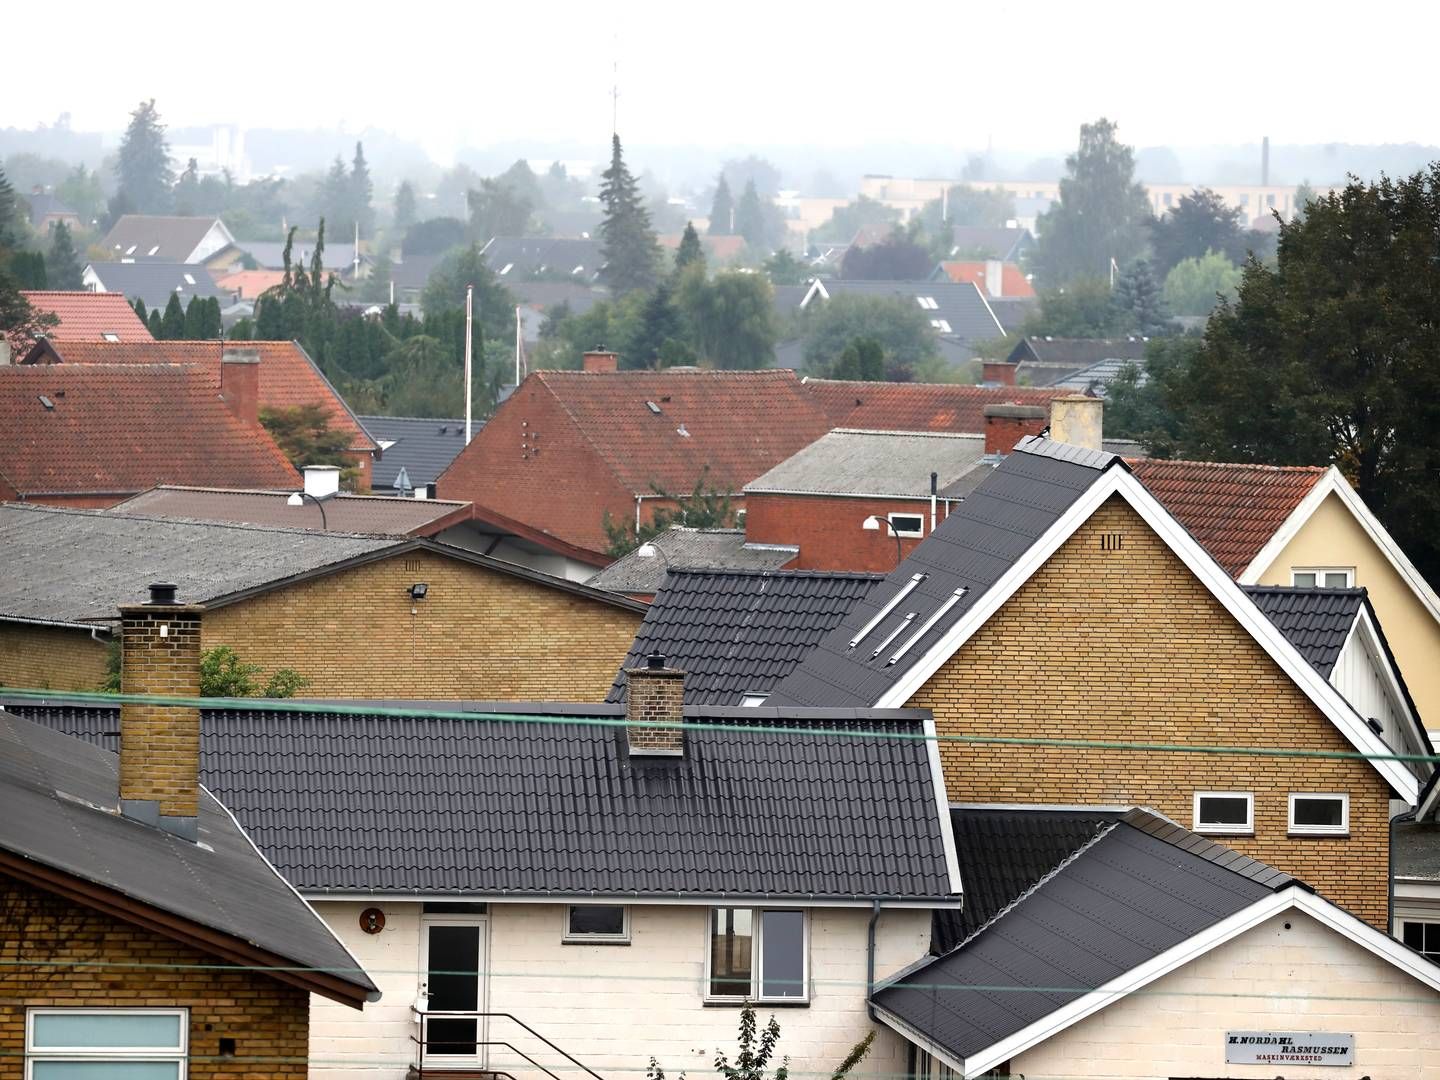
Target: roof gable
x,y
157,236
118,429
88,316
1317,622
1018,517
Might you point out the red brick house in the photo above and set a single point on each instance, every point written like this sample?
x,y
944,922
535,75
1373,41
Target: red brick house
x,y
287,378
569,448
92,435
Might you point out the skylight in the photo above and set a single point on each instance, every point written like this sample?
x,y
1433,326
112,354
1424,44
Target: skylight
x,y
153,250
950,602
927,302
130,250
915,579
111,337
188,279
506,269
653,407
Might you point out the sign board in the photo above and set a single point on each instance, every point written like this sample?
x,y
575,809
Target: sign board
x,y
1288,1048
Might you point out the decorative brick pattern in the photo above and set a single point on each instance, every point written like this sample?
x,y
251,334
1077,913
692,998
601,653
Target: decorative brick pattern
x,y
268,1020
655,694
50,658
1123,643
160,744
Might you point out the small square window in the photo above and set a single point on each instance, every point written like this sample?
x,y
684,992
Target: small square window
x,y
1322,577
1229,812
597,924
1320,815
908,524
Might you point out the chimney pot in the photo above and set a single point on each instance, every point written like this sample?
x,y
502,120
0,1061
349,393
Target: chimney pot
x,y
1078,420
1006,425
655,694
162,592
998,373
601,359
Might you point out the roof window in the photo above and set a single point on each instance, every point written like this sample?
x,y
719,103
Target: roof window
x,y
189,280
653,407
110,337
506,269
153,250
45,401
927,302
130,250
941,325
950,602
908,588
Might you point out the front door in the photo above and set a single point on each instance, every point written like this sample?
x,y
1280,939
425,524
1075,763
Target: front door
x,y
452,951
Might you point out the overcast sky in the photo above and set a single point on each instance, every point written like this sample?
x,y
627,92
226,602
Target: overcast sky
x,y
956,74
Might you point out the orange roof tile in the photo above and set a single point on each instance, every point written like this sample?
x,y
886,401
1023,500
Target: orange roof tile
x,y
880,406
88,316
248,284
123,428
288,377
1231,509
1013,282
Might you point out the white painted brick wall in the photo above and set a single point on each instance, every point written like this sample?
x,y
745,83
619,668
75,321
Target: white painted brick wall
x,y
613,1006
1179,1029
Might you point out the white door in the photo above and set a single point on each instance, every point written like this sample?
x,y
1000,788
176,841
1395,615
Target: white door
x,y
452,957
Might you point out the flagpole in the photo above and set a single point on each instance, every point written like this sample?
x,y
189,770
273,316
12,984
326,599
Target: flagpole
x,y
469,301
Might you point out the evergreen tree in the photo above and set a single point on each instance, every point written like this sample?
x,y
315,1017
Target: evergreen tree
x,y
362,191
194,319
1102,213
722,210
863,360
405,212
690,252
1139,300
750,219
660,334
628,247
29,269
140,312
63,261
172,323
9,214
187,188
334,203
156,325
145,173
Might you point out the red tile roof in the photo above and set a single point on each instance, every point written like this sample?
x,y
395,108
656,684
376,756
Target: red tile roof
x,y
248,284
1231,509
1012,279
86,316
879,406
288,377
738,423
122,428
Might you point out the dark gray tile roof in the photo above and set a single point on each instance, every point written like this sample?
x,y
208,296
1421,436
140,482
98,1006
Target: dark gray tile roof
x,y
735,632
1079,352
1141,888
515,257
788,297
153,281
1316,621
1012,311
578,297
423,447
414,271
893,463
53,793
997,243
140,235
1415,849
1003,851
338,257
551,806
971,549
683,548
959,306
1096,378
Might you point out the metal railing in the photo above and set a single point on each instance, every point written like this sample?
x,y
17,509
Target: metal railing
x,y
423,1043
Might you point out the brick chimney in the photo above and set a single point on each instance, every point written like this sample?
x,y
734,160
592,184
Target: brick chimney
x,y
601,360
1006,425
997,373
160,744
240,382
1078,420
654,693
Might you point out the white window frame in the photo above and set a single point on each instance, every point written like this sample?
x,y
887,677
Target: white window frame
x,y
1404,920
1343,829
753,699
1320,572
757,974
178,1055
919,515
571,937
1247,829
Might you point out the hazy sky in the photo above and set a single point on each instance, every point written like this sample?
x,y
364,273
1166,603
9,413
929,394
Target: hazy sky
x,y
730,74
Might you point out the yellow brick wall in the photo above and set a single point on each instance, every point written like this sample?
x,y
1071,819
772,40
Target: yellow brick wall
x,y
1129,645
41,933
50,658
160,744
477,634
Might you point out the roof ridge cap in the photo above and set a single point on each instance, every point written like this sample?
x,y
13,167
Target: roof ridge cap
x,y
1237,465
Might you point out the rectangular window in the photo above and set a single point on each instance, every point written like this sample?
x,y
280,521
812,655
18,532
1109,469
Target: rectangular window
x,y
607,924
106,1044
757,955
1230,812
1323,577
1423,937
1319,815
908,524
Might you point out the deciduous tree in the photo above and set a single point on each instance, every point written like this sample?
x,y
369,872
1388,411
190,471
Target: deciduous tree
x,y
731,318
1197,224
1194,286
899,327
1082,309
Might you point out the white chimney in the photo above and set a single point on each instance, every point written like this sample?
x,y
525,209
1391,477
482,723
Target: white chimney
x,y
994,277
1077,420
322,481
4,352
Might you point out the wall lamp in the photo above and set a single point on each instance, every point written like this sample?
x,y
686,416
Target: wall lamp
x,y
418,590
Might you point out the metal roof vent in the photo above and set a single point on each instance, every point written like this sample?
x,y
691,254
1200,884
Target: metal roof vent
x,y
682,432
653,407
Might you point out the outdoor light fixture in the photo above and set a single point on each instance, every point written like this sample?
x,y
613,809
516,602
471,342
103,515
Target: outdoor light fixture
x,y
418,590
874,523
647,551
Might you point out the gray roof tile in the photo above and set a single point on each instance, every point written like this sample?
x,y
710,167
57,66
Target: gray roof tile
x,y
847,461
1316,621
684,548
423,447
960,305
154,281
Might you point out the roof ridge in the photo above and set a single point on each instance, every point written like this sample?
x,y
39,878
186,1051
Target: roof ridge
x,y
1162,828
859,575
1258,466
905,433
79,511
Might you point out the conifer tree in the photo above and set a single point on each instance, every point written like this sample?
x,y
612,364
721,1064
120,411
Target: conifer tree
x,y
156,325
62,261
9,214
405,213
627,242
140,311
146,176
722,210
750,219
690,252
661,331
172,323
1139,301
195,319
362,190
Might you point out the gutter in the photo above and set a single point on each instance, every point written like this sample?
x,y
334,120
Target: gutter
x,y
92,627
870,959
